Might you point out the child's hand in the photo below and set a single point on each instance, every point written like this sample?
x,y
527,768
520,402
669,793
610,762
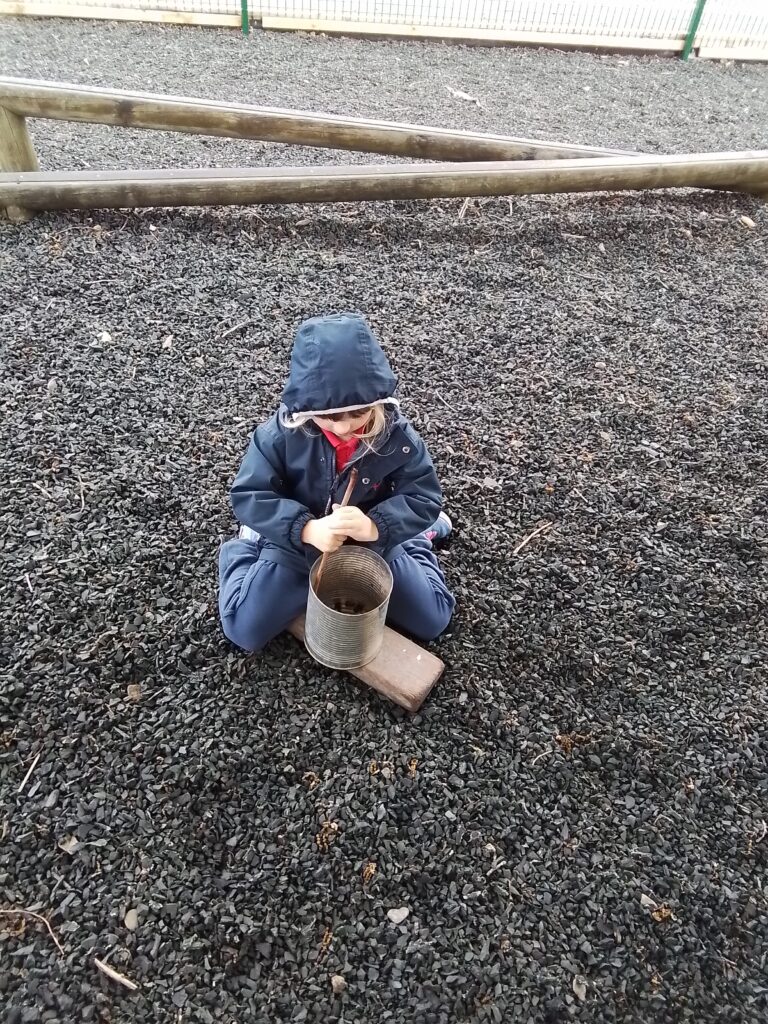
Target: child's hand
x,y
318,534
352,522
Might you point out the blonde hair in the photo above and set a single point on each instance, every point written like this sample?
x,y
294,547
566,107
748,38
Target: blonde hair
x,y
373,431
375,428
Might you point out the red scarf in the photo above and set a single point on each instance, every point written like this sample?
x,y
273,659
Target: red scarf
x,y
344,449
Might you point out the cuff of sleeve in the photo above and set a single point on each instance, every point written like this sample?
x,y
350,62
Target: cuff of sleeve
x,y
298,525
381,526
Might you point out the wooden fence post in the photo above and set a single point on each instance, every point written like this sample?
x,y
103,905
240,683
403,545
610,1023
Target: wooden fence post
x,y
16,154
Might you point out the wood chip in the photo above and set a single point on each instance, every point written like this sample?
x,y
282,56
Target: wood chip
x,y
662,913
459,95
580,987
69,844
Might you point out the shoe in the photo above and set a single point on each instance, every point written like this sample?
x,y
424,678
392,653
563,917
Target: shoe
x,y
246,533
440,529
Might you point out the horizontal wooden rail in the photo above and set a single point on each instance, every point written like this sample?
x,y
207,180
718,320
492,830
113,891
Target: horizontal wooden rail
x,y
743,172
486,36
29,98
46,9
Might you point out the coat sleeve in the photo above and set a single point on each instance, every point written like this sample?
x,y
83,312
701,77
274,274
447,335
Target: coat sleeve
x,y
416,498
258,493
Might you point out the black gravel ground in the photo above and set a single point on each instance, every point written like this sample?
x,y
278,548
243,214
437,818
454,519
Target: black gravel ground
x,y
576,822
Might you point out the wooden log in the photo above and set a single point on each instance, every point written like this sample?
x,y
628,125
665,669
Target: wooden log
x,y
86,190
46,9
16,154
402,671
239,121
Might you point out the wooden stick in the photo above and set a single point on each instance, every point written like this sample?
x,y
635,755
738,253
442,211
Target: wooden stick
x,y
344,501
88,190
32,767
115,975
16,154
237,327
37,917
527,540
68,102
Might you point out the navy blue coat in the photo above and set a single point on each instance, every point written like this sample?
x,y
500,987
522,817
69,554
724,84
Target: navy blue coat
x,y
288,475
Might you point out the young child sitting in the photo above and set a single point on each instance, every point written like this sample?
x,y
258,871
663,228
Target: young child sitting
x,y
338,411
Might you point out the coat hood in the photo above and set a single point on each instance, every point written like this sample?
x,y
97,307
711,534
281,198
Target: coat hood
x,y
337,363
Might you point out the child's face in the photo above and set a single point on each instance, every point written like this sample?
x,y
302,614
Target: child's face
x,y
343,424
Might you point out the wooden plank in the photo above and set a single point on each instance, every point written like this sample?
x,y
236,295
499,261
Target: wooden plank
x,y
402,671
242,121
754,50
490,37
745,172
16,154
30,8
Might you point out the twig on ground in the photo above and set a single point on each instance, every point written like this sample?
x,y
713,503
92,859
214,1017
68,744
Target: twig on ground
x,y
439,397
115,975
82,490
527,540
237,327
542,754
42,490
32,767
464,207
460,95
37,917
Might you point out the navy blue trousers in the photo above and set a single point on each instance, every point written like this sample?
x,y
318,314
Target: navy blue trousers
x,y
259,597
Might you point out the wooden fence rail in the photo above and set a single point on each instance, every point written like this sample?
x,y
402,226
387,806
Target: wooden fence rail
x,y
481,164
746,172
61,101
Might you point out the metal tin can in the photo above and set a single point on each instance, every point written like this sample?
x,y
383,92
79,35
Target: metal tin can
x,y
345,621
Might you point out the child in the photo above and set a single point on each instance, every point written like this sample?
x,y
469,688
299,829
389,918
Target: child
x,y
337,412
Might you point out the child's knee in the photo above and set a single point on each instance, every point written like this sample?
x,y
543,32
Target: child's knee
x,y
257,598
433,624
245,633
235,556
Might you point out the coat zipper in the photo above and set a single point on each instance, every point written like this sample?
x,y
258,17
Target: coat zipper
x,y
335,485
336,479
